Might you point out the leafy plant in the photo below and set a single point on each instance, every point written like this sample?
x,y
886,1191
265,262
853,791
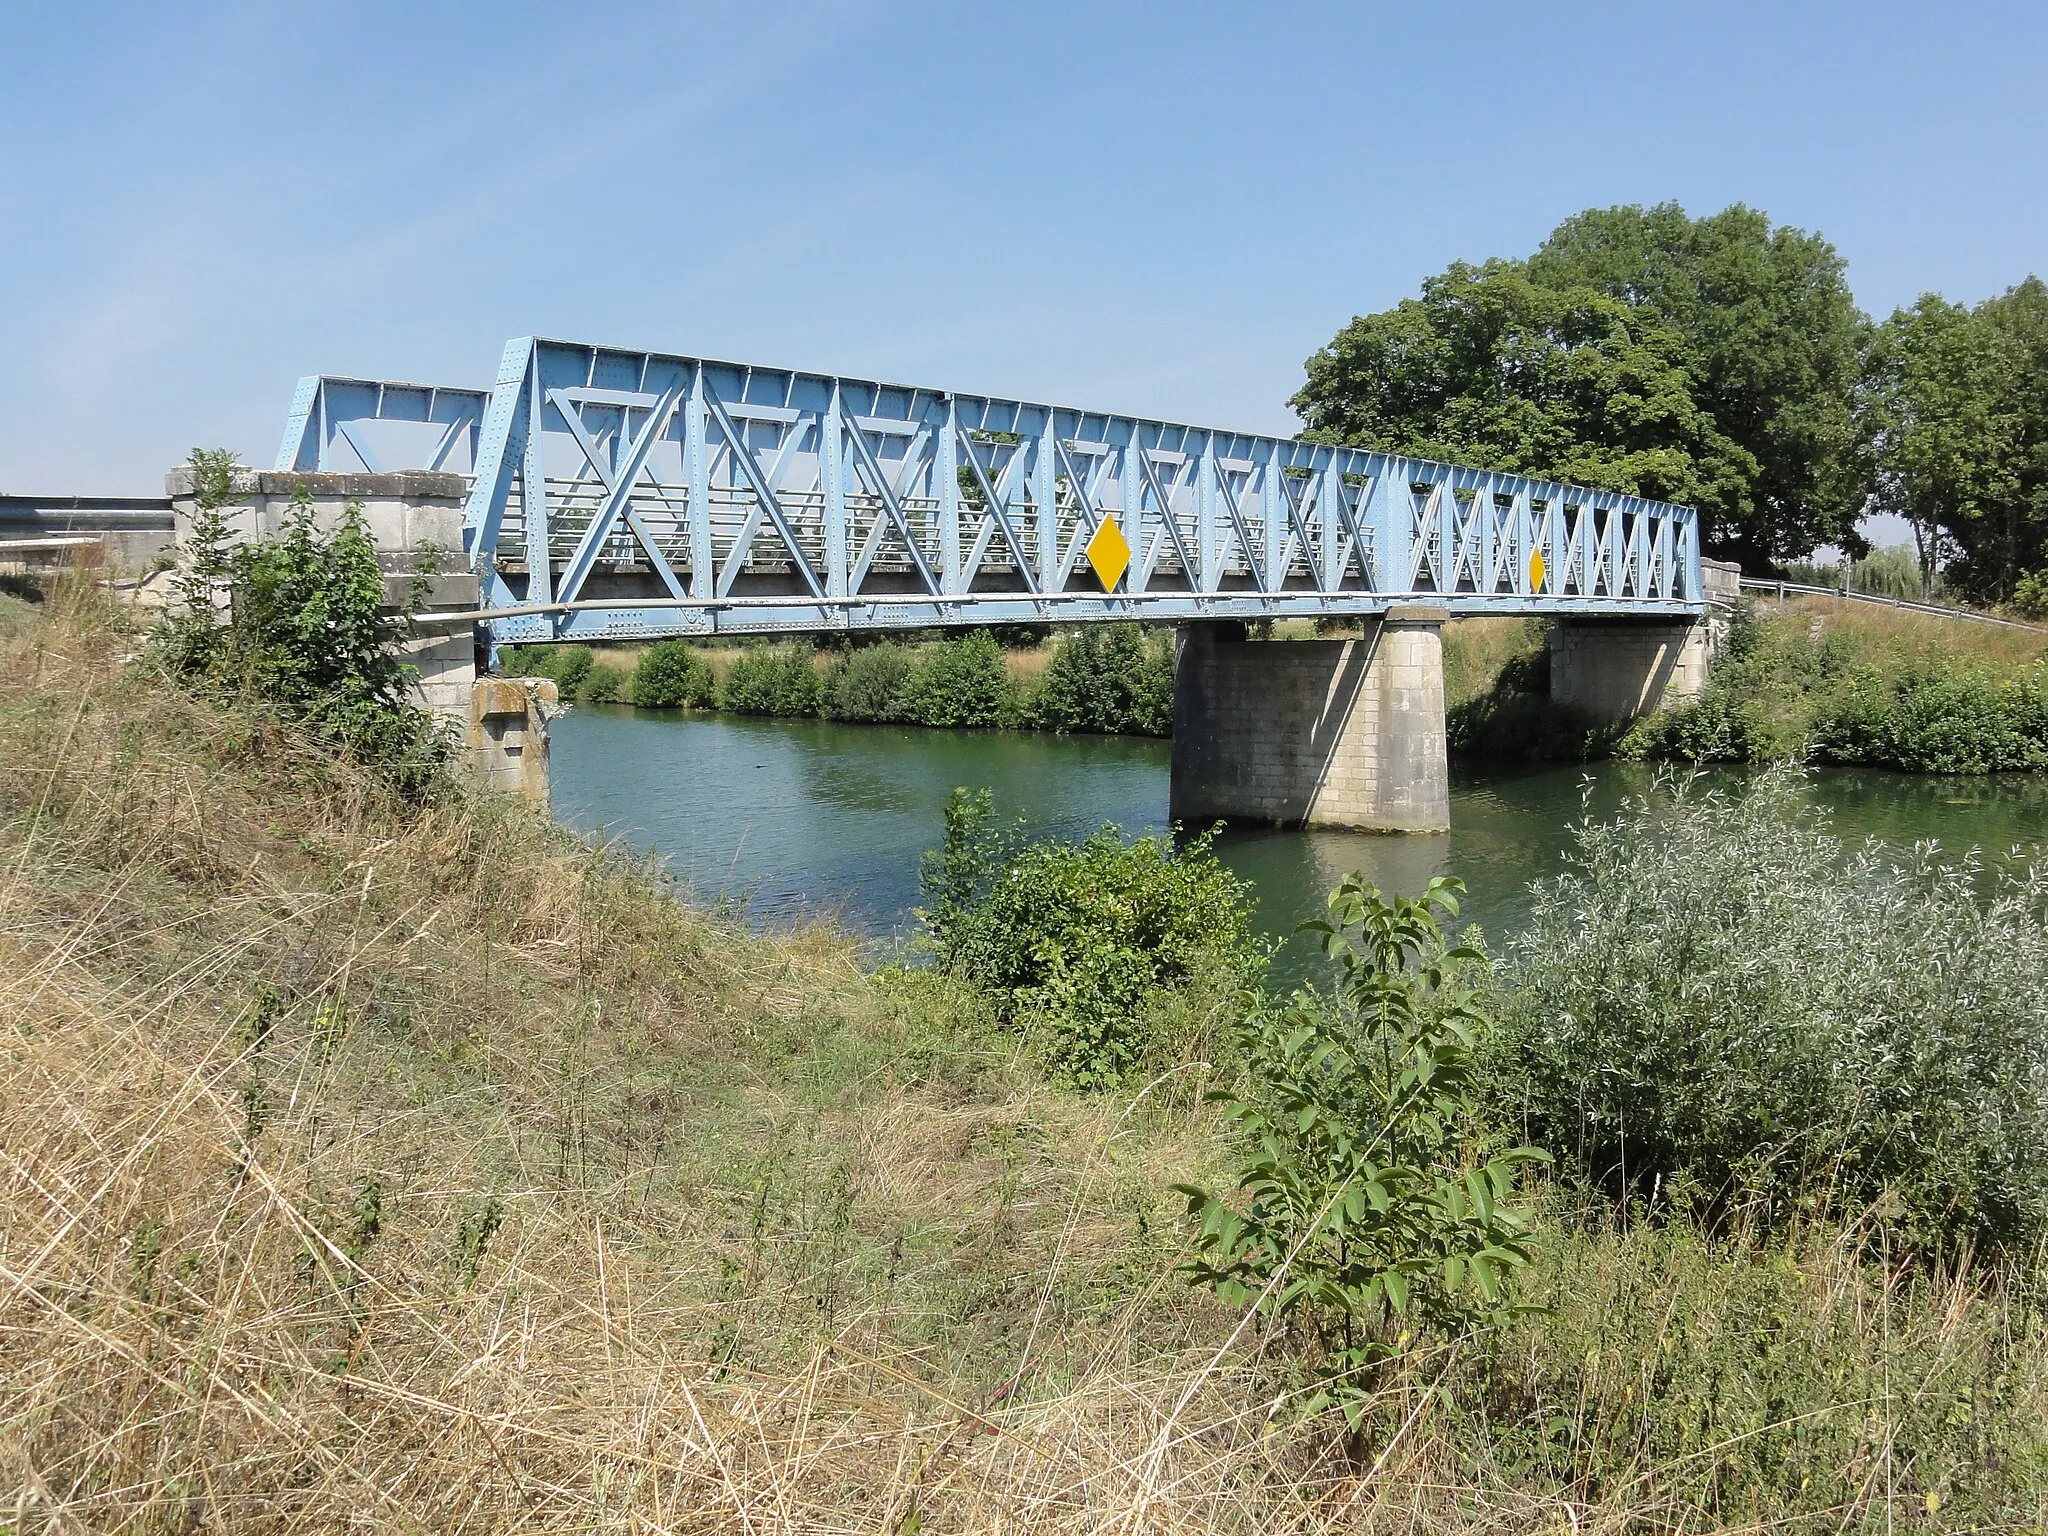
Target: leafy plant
x,y
672,676
567,665
868,683
306,630
1366,1192
1107,678
1073,939
772,680
961,682
1721,1008
605,683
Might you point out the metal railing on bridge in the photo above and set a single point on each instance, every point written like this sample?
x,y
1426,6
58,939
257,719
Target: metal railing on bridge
x,y
620,493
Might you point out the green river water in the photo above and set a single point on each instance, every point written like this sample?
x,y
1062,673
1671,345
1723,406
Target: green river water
x,y
792,818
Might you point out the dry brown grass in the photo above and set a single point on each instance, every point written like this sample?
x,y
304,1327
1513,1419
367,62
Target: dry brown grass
x,y
782,1246
1892,632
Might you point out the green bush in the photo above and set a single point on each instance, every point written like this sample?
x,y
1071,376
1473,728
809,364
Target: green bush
x,y
567,665
606,684
1939,717
1109,679
1365,1184
869,683
2030,594
1721,1006
672,676
960,683
1072,940
305,630
772,680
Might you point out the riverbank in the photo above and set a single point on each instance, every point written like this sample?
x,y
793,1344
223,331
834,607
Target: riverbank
x,y
429,1169
1811,677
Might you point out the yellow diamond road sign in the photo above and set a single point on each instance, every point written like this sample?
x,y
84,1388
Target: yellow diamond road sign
x,y
1536,569
1109,553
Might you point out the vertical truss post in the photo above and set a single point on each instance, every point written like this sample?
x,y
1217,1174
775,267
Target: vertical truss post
x,y
1329,520
1205,520
1273,514
1487,516
1614,553
533,494
697,491
1132,488
1392,527
946,461
1044,491
832,478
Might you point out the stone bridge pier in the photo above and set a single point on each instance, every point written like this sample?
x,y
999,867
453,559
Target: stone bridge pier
x,y
1619,669
1316,733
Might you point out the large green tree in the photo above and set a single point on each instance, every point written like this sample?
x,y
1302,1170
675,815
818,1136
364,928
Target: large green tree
x,y
1711,361
1955,410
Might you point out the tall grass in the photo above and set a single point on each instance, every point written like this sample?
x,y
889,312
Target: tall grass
x,y
378,1168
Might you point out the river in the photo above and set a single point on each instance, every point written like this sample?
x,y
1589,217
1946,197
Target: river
x,y
788,819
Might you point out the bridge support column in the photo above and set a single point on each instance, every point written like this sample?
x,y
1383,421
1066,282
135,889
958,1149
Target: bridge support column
x,y
1619,669
1318,733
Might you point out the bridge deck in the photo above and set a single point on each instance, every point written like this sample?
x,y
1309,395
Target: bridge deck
x,y
619,493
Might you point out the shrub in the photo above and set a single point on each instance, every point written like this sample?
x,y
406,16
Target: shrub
x,y
1107,678
960,683
606,684
672,676
306,631
1721,1006
1365,1188
2030,594
868,683
772,680
1939,716
567,665
1072,939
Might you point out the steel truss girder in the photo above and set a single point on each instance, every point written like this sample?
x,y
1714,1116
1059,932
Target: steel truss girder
x,y
333,425
618,493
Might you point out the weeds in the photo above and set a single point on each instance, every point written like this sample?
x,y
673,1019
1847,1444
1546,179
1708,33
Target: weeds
x,y
680,1228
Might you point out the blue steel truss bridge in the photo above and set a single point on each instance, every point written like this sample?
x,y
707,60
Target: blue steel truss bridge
x,y
617,494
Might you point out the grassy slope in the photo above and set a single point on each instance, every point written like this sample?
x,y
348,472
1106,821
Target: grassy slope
x,y
777,1244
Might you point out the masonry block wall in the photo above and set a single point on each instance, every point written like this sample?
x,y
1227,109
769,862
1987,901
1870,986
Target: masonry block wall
x,y
1617,670
1319,733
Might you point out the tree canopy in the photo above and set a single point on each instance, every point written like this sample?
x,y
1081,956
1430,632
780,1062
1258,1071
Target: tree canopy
x,y
1711,361
1954,408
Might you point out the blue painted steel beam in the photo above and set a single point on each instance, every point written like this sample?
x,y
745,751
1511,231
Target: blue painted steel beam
x,y
617,493
344,426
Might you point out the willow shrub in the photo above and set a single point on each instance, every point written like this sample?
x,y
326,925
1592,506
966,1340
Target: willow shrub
x,y
565,665
670,675
963,682
772,680
1721,1005
1109,679
1077,943
868,683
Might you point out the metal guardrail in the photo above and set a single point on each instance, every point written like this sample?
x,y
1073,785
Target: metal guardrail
x,y
66,514
1935,610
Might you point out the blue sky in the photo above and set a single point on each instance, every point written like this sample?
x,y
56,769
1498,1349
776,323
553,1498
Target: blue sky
x,y
1160,209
